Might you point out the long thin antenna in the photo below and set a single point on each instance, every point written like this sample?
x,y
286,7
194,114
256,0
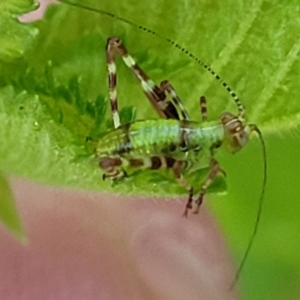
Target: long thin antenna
x,y
253,127
236,99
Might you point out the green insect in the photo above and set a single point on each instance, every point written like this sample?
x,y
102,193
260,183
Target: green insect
x,y
174,141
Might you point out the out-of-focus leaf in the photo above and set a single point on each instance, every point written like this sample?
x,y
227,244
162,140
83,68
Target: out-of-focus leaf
x,y
15,38
8,211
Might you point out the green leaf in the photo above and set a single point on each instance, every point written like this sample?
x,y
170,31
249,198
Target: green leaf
x,y
55,97
260,65
8,211
15,38
50,152
53,103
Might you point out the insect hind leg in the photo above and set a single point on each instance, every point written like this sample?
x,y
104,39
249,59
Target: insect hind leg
x,y
166,86
157,97
112,84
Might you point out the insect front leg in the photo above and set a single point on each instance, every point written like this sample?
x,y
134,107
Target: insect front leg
x,y
157,97
213,172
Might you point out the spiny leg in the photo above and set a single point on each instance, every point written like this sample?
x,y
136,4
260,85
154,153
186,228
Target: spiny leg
x,y
157,97
177,167
203,108
166,86
112,84
213,172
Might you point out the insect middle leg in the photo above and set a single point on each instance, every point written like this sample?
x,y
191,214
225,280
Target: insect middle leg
x,y
213,172
177,167
203,108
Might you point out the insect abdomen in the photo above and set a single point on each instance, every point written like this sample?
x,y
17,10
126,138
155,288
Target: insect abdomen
x,y
156,137
140,137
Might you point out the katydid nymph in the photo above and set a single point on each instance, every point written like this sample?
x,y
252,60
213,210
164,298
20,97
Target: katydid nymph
x,y
172,141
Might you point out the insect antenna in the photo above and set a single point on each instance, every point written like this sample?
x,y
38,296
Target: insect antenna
x,y
240,106
253,127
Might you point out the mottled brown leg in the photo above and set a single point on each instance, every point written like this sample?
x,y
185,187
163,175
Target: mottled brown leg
x,y
213,172
189,204
177,167
166,86
203,108
112,84
157,97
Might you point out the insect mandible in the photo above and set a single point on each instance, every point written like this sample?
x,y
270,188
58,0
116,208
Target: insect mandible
x,y
175,141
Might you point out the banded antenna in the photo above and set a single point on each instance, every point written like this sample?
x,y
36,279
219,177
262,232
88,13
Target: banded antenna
x,y
240,106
